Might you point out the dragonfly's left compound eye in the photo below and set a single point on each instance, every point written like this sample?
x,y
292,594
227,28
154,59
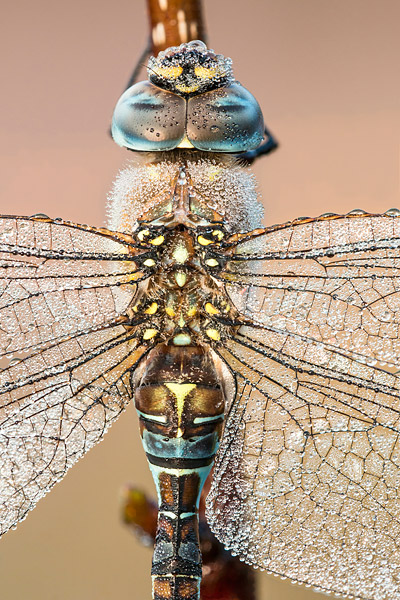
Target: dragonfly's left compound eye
x,y
148,118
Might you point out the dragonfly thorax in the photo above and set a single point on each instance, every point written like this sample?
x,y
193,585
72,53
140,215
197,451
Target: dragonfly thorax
x,y
181,302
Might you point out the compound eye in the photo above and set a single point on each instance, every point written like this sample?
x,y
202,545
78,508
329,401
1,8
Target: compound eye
x,y
148,118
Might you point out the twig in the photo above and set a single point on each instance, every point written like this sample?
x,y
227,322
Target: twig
x,y
174,22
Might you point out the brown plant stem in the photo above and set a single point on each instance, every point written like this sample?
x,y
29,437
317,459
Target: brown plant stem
x,y
224,576
174,22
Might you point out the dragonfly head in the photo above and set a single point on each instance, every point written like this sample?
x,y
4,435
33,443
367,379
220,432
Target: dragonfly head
x,y
189,69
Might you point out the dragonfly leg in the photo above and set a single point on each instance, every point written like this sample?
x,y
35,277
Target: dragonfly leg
x,y
269,144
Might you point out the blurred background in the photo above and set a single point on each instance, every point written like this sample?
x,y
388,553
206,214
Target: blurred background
x,y
326,75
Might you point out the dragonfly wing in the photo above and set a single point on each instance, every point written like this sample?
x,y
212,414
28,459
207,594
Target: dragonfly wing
x,y
332,282
65,353
306,482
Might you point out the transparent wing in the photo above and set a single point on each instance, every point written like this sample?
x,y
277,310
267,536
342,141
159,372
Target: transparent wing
x,y
66,350
332,281
307,476
59,278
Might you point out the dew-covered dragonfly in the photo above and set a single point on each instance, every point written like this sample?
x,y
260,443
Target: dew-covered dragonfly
x,y
273,350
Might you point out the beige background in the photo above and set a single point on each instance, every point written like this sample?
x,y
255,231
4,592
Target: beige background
x,y
326,74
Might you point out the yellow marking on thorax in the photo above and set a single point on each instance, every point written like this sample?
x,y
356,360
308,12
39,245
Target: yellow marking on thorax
x,y
213,334
211,309
180,254
149,334
158,240
204,241
211,262
180,278
151,310
180,391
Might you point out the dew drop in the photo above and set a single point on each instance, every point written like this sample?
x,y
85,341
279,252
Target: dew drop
x,y
357,211
393,212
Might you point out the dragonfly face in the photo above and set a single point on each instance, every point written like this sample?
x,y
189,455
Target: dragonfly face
x,y
275,349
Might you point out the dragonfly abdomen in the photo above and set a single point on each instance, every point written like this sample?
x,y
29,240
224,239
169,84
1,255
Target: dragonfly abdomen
x,y
180,403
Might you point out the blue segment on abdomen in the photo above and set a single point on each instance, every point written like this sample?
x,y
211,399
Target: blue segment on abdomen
x,y
178,447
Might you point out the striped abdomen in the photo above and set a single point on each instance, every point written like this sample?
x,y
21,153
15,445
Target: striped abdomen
x,y
180,403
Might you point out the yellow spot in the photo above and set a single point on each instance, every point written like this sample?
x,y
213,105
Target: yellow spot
x,y
187,89
185,143
135,308
211,309
204,241
170,311
171,72
180,278
180,391
157,241
191,312
213,173
213,334
218,234
227,308
182,339
149,262
211,262
149,334
151,309
180,254
204,73
153,173
181,321
142,234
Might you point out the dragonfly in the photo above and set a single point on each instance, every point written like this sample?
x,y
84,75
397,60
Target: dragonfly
x,y
268,353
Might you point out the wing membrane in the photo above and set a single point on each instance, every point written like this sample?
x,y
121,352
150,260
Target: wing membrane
x,y
334,281
306,482
307,477
59,278
66,350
